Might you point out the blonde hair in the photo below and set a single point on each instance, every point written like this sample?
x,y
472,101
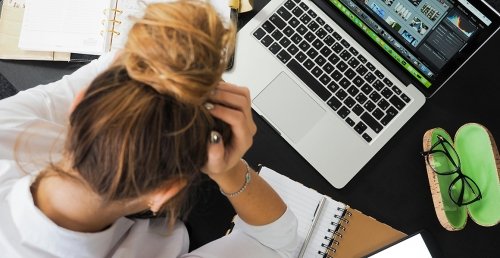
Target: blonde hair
x,y
141,124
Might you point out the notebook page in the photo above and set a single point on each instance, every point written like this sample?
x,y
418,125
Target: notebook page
x,y
324,227
299,198
64,26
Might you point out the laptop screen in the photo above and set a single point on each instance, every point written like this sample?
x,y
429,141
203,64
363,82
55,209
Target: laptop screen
x,y
430,39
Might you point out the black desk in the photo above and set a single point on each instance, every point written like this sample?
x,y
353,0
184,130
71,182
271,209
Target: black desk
x,y
392,187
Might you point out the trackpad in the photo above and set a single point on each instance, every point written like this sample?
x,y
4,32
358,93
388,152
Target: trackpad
x,y
289,107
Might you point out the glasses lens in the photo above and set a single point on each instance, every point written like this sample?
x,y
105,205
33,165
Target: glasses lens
x,y
464,191
444,158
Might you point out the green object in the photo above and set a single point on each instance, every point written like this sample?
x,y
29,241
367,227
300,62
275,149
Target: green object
x,y
478,155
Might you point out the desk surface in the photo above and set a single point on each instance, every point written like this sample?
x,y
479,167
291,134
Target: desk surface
x,y
392,187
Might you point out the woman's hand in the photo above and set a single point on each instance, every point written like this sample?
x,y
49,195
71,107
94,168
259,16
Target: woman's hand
x,y
232,105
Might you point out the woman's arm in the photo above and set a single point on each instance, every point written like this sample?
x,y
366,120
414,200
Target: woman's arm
x,y
44,107
262,214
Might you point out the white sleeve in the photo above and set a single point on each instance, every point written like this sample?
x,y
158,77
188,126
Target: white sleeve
x,y
45,107
278,239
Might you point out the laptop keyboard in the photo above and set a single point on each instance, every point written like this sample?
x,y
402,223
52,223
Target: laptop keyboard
x,y
354,89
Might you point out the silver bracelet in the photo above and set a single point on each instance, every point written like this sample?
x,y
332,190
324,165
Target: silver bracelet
x,y
242,189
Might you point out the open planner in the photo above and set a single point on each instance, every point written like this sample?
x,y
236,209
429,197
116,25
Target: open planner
x,y
84,26
328,228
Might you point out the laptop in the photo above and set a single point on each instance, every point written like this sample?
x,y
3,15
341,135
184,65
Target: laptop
x,y
338,78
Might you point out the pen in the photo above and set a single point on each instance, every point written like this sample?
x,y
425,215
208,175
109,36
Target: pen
x,y
234,5
317,212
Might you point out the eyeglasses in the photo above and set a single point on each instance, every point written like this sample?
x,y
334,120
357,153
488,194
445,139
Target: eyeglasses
x,y
444,160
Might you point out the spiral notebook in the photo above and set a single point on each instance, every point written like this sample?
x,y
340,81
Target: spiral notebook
x,y
11,19
83,26
328,228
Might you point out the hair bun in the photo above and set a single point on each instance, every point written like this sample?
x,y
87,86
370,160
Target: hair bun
x,y
179,48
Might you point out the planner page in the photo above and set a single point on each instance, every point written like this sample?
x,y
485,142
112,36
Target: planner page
x,y
76,26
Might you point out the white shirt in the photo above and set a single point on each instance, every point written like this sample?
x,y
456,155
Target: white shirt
x,y
38,117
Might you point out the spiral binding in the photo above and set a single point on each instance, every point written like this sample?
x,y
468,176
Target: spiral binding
x,y
335,233
114,21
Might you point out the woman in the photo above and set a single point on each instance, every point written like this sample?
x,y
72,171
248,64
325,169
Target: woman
x,y
137,136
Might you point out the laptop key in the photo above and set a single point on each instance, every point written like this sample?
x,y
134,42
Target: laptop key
x,y
296,38
301,56
337,76
345,55
383,104
328,68
320,21
358,109
277,35
304,45
360,127
369,106
375,97
344,83
397,102
378,85
312,53
333,87
297,11
342,66
343,112
305,18
309,36
309,64
353,90
288,31
292,49
337,47
325,51
321,33
334,103
386,92
289,4
325,79
294,22
353,62
361,70
329,40
371,122
405,98
333,58
377,113
389,115
328,28
275,48
337,36
379,74
304,6
369,77
268,26
341,94
349,102
370,66
358,81
366,88
396,89
316,71
320,60
267,40
345,43
309,80
318,44
388,82
353,51
313,26
284,13
259,33
283,56
302,29
350,122
312,13
362,59
361,98
276,20
350,73
367,137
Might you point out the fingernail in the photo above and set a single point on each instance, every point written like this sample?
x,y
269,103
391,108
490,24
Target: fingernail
x,y
209,106
215,137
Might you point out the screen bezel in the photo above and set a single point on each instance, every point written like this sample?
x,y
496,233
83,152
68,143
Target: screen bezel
x,y
459,60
